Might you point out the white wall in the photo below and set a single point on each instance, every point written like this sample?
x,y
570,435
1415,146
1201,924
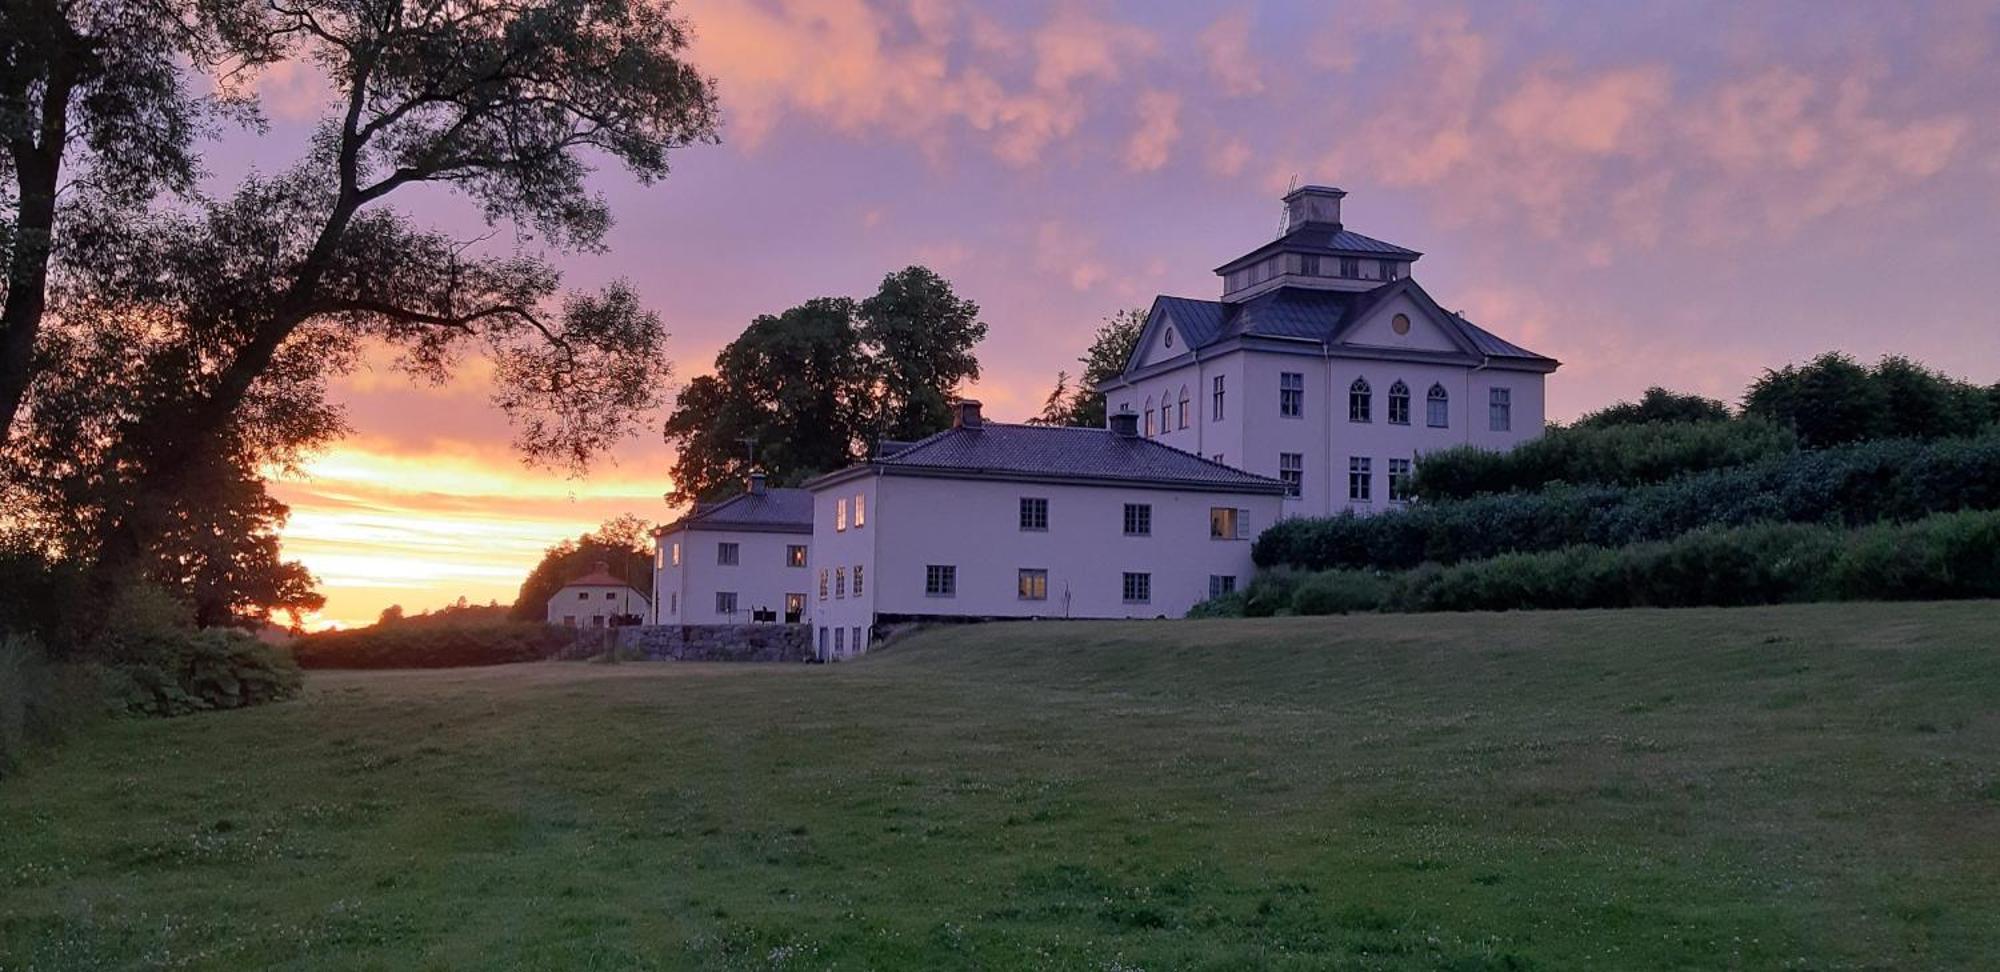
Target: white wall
x,y
856,546
594,605
760,578
974,525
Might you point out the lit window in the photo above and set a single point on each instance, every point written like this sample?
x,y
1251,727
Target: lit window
x,y
795,555
1360,477
840,514
1399,404
1360,401
1291,394
1034,513
1400,471
1138,519
1438,408
1292,472
1138,588
1184,407
1220,584
1033,584
940,580
1225,523
795,608
1215,401
725,602
1500,410
660,558
860,511
727,554
857,580
677,553
839,583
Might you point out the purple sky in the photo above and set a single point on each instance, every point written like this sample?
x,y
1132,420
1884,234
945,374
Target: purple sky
x,y
1676,194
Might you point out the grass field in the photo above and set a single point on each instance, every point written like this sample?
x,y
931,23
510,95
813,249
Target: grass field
x,y
1801,787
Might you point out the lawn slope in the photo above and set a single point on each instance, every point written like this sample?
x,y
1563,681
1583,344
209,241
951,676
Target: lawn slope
x,y
1807,787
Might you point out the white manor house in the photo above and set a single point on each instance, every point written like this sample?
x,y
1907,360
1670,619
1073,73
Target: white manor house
x,y
1308,388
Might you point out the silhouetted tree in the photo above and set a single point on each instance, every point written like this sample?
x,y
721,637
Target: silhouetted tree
x,y
1657,405
1110,348
920,337
624,544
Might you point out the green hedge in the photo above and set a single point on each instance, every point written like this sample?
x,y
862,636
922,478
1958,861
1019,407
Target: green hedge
x,y
1941,557
178,672
1850,486
1618,455
454,645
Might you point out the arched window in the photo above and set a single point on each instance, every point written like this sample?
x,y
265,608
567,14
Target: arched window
x,y
1166,412
1439,402
1360,401
1399,404
1184,407
1149,417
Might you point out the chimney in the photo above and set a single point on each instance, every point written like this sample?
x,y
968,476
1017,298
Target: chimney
x,y
756,482
965,414
1124,424
1312,204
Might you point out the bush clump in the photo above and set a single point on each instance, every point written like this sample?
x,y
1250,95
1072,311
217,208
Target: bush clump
x,y
1612,455
1897,480
177,672
447,645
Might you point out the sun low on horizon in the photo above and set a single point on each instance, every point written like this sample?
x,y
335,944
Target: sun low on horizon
x,y
1679,197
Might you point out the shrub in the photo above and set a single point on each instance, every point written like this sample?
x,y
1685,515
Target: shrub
x,y
1341,592
1897,480
1270,593
1618,455
177,672
454,645
1228,605
40,701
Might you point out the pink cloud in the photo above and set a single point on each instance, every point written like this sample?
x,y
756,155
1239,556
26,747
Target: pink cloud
x,y
1159,127
1226,44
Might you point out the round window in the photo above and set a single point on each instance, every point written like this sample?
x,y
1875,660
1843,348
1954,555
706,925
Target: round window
x,y
1400,323
1170,337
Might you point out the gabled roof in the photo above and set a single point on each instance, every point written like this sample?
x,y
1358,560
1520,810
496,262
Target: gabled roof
x,y
772,511
600,575
1054,453
1330,239
1321,316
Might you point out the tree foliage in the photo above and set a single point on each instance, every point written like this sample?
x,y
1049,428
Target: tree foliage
x,y
806,391
623,544
1110,348
1615,454
1833,400
1657,405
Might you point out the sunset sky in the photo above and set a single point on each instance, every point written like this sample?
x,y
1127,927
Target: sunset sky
x,y
1676,194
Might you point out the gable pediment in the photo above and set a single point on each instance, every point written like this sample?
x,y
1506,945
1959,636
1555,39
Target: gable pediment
x,y
1402,322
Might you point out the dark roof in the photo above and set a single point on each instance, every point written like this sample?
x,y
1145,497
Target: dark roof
x,y
1060,453
1323,238
773,511
1317,315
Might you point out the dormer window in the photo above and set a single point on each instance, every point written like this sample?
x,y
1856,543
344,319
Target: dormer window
x,y
1309,264
1350,267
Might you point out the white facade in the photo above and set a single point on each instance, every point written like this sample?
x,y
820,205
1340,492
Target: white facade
x,y
592,604
943,546
730,576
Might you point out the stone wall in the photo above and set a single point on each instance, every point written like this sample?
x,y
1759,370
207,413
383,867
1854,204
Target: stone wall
x,y
716,642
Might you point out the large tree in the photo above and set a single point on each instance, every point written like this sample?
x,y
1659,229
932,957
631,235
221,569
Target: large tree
x,y
1110,348
920,335
95,104
622,543
790,395
506,103
1657,405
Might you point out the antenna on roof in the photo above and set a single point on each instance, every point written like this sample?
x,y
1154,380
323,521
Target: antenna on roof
x,y
1285,209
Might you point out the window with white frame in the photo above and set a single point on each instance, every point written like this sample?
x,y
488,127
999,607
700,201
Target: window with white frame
x,y
857,639
674,603
1215,400
1226,523
1309,264
1291,394
727,554
1034,514
1388,269
839,583
1138,519
676,553
725,602
840,514
1032,584
839,641
795,608
822,641
1399,404
1500,409
1438,408
1166,414
940,580
660,559
1149,418
583,595
1292,472
825,582
1399,480
1220,584
857,580
1360,478
1184,407
860,511
1138,588
1360,401
795,555
1350,266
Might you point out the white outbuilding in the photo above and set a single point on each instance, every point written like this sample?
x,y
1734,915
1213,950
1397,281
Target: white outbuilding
x,y
597,599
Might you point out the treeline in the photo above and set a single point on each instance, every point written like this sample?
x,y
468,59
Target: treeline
x,y
436,644
1834,480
